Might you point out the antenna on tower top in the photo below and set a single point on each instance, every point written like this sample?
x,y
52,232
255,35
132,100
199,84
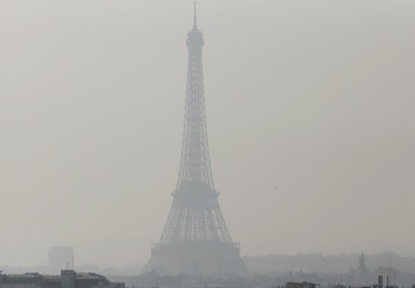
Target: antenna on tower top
x,y
194,16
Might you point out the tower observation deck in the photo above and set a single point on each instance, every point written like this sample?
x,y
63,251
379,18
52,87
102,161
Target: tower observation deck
x,y
195,238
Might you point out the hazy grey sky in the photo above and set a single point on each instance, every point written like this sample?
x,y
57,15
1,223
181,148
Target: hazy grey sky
x,y
315,97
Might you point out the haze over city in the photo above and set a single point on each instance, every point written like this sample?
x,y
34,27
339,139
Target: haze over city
x,y
309,111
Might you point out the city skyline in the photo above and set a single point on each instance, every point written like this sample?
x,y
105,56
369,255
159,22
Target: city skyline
x,y
313,98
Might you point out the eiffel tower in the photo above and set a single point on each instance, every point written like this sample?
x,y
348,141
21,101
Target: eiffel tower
x,y
195,239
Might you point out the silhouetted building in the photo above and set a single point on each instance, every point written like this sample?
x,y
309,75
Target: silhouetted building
x,y
300,285
67,279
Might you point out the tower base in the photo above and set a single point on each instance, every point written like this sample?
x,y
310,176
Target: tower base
x,y
196,258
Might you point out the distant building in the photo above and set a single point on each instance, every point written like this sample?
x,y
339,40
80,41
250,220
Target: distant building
x,y
61,257
362,275
300,285
67,279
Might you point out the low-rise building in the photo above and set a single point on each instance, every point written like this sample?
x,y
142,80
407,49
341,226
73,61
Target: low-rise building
x,y
67,279
300,285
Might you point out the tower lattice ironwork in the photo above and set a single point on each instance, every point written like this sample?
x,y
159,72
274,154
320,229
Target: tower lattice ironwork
x,y
195,238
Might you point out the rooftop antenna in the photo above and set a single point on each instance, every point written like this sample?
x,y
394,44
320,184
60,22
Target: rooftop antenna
x,y
194,14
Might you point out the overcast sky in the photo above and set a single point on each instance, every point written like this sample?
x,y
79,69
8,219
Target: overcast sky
x,y
315,97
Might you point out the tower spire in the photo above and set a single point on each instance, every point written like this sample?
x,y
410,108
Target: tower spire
x,y
194,14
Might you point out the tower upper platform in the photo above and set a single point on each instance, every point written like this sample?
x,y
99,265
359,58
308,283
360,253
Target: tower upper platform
x,y
195,36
